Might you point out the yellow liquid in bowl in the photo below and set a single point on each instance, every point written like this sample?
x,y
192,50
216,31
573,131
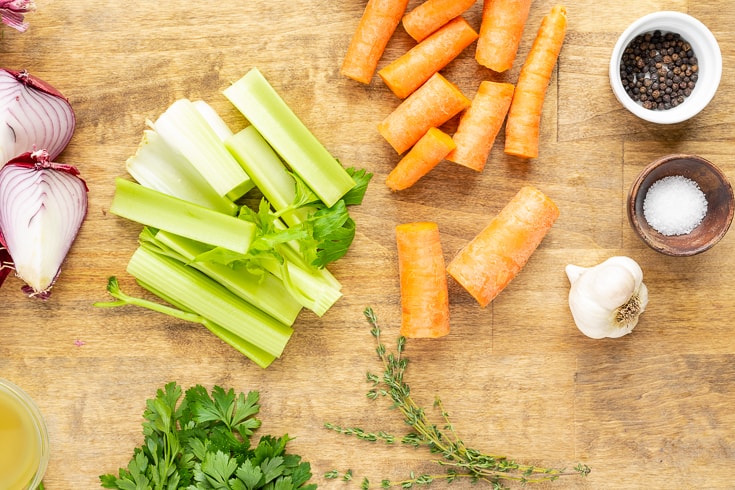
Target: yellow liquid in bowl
x,y
20,444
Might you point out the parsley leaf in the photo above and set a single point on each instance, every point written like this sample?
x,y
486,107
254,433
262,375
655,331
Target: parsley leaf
x,y
200,441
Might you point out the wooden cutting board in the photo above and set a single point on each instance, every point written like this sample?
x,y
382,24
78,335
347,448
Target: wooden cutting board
x,y
650,410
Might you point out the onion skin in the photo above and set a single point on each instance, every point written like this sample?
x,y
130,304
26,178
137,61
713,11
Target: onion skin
x,y
33,115
42,207
11,13
6,264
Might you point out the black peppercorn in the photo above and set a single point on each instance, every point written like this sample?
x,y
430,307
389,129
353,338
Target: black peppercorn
x,y
659,70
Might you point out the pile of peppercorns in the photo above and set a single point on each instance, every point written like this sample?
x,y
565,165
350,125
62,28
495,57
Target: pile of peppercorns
x,y
658,70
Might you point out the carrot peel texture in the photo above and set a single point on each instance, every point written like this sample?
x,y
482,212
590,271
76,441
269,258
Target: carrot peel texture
x,y
421,159
378,23
423,278
480,124
431,105
524,116
501,29
488,263
410,71
430,15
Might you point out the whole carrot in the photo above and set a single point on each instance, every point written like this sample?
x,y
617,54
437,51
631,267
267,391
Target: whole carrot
x,y
424,291
480,124
430,106
486,265
424,156
378,23
524,116
431,15
410,71
501,29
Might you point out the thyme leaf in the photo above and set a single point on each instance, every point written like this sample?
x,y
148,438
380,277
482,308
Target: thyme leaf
x,y
457,461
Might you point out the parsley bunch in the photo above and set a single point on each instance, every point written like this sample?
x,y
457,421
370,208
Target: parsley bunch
x,y
202,442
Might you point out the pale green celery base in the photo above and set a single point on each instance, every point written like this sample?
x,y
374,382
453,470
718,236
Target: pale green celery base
x,y
183,127
155,209
265,292
268,172
292,253
258,356
316,288
307,286
258,101
220,127
195,292
158,166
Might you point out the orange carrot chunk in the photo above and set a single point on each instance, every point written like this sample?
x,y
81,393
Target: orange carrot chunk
x,y
501,29
430,106
424,156
486,265
524,116
378,23
410,71
480,124
424,291
423,20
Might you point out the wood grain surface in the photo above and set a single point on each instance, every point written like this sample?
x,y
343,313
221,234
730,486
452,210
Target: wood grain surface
x,y
652,410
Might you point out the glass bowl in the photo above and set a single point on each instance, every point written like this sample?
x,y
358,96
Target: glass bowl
x,y
20,414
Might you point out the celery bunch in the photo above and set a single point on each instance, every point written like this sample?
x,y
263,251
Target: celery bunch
x,y
238,227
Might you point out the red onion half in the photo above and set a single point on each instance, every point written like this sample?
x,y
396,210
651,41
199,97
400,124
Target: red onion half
x,y
33,116
42,207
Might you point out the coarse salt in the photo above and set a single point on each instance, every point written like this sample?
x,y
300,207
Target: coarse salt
x,y
674,205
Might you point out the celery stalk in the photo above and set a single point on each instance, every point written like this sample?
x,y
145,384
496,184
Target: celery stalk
x,y
291,253
265,291
184,128
158,166
193,291
255,354
297,284
268,172
158,210
220,127
279,188
310,287
258,101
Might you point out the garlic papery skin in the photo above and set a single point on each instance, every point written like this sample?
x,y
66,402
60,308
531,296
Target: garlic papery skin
x,y
606,300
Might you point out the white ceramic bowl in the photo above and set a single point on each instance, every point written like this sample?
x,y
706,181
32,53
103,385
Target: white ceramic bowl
x,y
705,48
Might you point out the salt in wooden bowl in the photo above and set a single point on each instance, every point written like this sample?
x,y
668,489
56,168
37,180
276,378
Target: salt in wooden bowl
x,y
717,191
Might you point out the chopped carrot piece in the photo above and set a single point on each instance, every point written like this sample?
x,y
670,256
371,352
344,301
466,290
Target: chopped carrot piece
x,y
486,265
430,106
410,71
426,18
424,291
378,23
480,124
424,156
501,29
524,116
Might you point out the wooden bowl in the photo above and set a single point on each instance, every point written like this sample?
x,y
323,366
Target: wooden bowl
x,y
712,182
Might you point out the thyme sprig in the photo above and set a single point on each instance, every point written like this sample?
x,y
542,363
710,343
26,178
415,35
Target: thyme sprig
x,y
457,460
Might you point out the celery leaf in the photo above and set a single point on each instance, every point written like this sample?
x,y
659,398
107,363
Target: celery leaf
x,y
355,195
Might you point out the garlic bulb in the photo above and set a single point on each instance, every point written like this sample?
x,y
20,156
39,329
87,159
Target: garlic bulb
x,y
607,299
